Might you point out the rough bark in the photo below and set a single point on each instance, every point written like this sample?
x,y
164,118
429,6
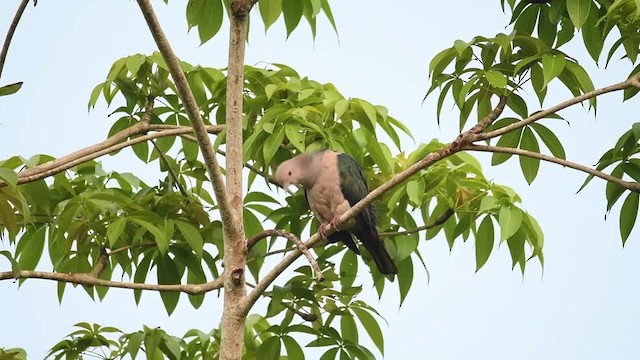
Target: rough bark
x,y
235,249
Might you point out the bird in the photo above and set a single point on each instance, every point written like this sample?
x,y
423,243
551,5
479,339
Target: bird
x,y
333,182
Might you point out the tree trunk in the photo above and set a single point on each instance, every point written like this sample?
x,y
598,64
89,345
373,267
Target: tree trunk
x,y
235,249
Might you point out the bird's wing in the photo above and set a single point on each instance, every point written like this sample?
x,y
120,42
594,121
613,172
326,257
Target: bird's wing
x,y
354,187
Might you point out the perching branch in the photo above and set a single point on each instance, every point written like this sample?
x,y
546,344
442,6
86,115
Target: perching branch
x,y
633,81
294,239
88,279
444,152
437,222
10,32
633,186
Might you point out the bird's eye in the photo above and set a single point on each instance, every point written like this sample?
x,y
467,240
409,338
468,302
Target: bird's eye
x,y
289,173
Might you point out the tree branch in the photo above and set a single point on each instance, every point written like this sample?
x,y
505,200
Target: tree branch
x,y
632,81
95,151
437,222
294,239
88,279
10,32
633,186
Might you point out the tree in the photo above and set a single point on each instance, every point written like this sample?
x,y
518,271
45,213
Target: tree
x,y
96,222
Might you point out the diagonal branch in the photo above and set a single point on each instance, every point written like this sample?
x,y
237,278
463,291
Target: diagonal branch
x,y
193,111
633,81
89,279
633,186
10,32
105,147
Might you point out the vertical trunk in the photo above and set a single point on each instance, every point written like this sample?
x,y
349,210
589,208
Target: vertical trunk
x,y
235,249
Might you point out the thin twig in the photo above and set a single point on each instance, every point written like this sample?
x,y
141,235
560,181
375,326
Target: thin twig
x,y
437,222
89,280
294,239
633,186
10,32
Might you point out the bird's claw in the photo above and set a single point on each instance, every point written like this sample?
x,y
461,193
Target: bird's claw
x,y
324,227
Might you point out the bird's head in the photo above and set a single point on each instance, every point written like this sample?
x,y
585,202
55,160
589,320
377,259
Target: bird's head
x,y
288,173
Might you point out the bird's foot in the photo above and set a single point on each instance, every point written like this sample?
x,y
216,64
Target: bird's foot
x,y
334,222
322,230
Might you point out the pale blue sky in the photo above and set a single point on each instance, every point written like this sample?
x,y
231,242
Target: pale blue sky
x,y
586,305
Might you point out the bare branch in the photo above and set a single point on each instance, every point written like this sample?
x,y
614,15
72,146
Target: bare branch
x,y
633,186
437,222
89,280
10,32
633,81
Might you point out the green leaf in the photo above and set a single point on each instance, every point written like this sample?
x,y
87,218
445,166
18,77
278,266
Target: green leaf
x,y
628,216
15,267
518,105
134,62
32,250
405,277
292,11
550,140
207,15
269,349
168,274
330,354
348,328
487,203
578,11
159,236
614,191
270,10
593,36
10,89
294,351
529,165
496,79
115,229
295,135
510,140
552,66
371,326
510,219
192,237
416,189
8,177
484,241
348,269
272,143
8,217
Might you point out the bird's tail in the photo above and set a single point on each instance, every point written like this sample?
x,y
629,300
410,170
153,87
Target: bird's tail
x,y
373,243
